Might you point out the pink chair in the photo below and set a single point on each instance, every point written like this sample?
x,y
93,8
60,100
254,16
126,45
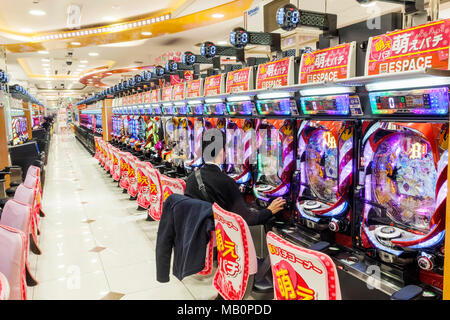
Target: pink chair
x,y
236,255
149,186
4,287
132,176
33,181
12,261
27,196
117,159
19,216
301,274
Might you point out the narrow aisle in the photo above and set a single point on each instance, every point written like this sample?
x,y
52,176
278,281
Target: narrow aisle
x,y
95,243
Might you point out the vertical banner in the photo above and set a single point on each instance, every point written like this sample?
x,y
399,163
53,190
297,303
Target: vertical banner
x,y
178,91
275,74
328,65
420,47
214,85
194,88
240,80
166,94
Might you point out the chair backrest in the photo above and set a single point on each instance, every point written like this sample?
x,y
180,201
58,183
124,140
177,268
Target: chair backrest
x,y
149,186
236,254
31,181
34,171
12,261
301,274
17,215
25,195
4,287
167,187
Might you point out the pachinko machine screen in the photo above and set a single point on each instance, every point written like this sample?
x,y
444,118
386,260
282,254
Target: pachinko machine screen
x,y
332,105
241,108
423,101
282,107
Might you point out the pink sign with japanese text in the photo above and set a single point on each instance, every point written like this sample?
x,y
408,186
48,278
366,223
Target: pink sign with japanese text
x,y
420,47
329,64
301,274
147,97
240,80
155,95
167,94
214,85
194,88
275,74
178,91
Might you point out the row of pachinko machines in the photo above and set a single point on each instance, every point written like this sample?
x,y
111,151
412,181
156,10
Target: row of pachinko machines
x,y
91,120
361,160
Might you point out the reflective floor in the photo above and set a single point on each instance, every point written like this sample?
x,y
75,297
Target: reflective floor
x,y
95,243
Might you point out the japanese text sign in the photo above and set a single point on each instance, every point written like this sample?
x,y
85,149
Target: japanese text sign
x,y
301,274
194,88
240,80
420,47
329,64
214,85
275,74
178,91
167,94
155,95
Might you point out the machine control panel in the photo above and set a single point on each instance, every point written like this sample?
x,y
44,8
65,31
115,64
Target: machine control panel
x,y
278,107
432,101
331,105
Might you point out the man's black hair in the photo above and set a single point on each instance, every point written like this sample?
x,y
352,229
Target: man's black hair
x,y
211,144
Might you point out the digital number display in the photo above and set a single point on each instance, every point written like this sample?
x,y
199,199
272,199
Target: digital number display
x,y
242,108
215,109
333,105
425,101
276,107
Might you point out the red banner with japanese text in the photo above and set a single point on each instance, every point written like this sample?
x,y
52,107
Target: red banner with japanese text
x,y
166,94
214,85
301,274
330,64
155,95
420,47
236,257
275,74
240,80
134,99
178,91
194,88
147,97
188,75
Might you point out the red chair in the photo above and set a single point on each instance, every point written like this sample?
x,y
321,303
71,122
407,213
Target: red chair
x,y
4,287
132,176
237,262
19,216
12,261
33,181
301,274
124,170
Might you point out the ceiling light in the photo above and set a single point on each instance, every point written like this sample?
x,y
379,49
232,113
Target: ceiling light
x,y
75,43
83,61
93,54
43,52
222,43
109,19
46,65
26,30
45,60
146,33
368,4
37,12
218,15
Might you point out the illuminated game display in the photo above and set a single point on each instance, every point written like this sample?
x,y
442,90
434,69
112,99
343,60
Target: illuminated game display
x,y
405,191
334,105
325,150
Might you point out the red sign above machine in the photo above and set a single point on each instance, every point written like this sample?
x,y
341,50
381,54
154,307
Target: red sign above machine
x,y
167,94
214,85
425,46
178,91
155,95
194,88
275,74
331,64
240,80
147,97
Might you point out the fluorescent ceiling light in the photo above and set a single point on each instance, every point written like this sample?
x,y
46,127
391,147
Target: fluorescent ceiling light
x,y
418,82
217,15
26,30
109,19
83,61
238,98
133,43
37,12
326,91
146,33
369,4
43,52
93,54
194,102
45,60
274,95
46,65
74,43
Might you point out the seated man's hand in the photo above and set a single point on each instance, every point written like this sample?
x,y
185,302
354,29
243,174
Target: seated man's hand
x,y
277,205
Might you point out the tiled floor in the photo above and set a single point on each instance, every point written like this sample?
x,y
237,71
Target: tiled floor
x,y
95,243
